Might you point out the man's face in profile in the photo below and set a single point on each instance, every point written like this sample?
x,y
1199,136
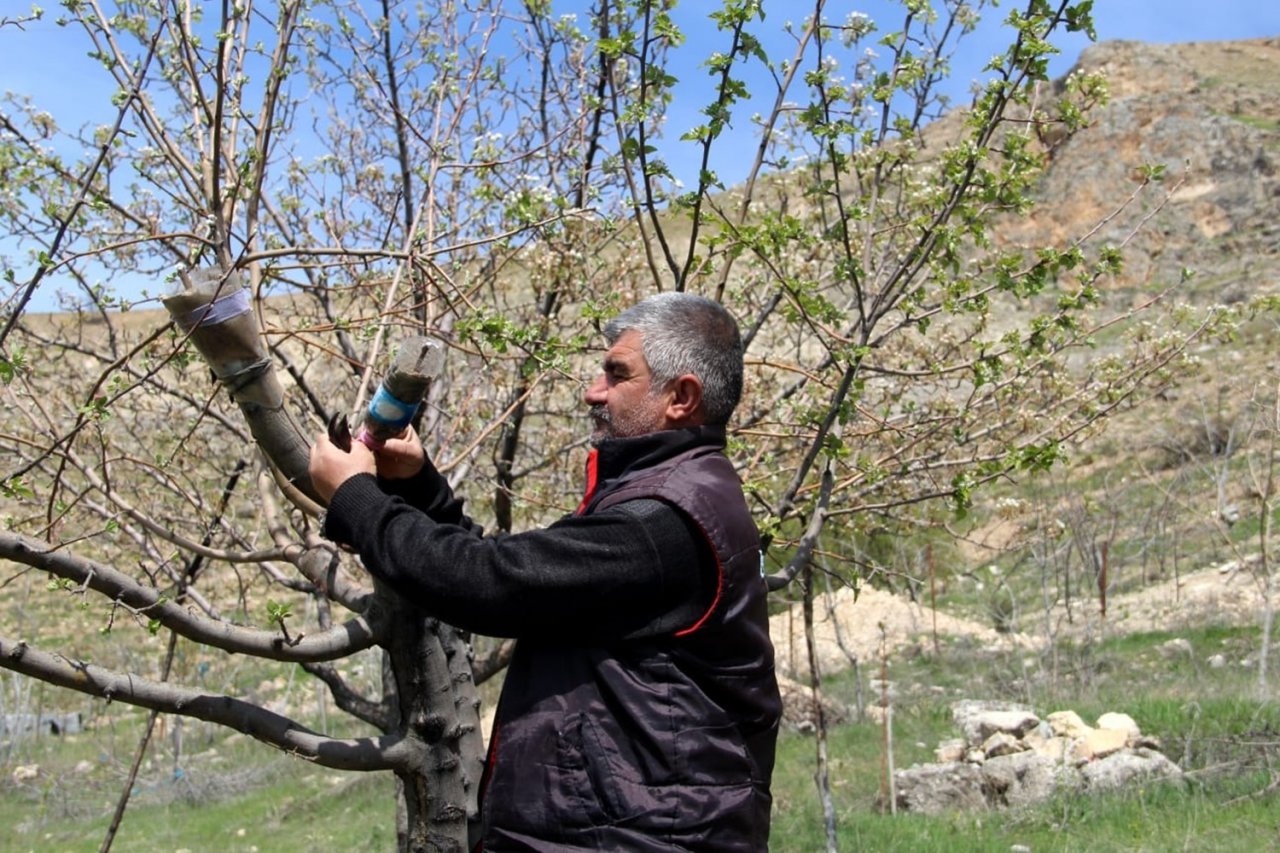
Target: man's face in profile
x,y
622,399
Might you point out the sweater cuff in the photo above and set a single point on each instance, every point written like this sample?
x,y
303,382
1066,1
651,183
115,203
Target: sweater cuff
x,y
357,497
427,481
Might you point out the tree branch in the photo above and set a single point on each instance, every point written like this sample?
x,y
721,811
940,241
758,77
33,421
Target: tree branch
x,y
364,754
352,636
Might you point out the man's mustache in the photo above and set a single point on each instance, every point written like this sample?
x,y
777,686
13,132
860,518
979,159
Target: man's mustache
x,y
600,413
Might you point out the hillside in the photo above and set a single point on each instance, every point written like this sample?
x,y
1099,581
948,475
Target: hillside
x,y
1208,114
1172,487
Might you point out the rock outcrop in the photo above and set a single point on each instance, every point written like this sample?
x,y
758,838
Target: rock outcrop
x,y
1205,114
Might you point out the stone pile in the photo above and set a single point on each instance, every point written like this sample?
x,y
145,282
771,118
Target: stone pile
x,y
1009,756
798,712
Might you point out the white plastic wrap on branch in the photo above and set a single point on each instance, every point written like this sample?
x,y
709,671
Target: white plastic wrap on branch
x,y
214,309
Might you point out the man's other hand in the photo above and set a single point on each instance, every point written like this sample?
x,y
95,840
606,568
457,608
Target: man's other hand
x,y
331,467
401,457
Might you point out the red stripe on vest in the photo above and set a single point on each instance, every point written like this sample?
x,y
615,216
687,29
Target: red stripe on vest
x,y
593,464
684,632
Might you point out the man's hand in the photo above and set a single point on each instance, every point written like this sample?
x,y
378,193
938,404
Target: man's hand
x,y
331,467
401,457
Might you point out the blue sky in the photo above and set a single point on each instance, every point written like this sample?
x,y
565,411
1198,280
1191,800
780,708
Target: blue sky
x,y
48,62
1158,21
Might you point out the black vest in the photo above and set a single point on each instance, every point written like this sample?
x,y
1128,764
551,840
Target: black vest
x,y
652,742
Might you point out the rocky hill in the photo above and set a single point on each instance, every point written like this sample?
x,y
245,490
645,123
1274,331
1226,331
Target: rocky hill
x,y
1209,113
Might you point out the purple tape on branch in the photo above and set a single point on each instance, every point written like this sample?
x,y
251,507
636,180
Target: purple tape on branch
x,y
369,440
389,411
218,311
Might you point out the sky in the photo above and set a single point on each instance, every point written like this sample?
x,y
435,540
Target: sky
x,y
48,62
1155,21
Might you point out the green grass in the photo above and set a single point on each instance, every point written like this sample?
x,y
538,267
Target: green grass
x,y
238,795
1180,815
1207,720
1158,818
302,809
219,790
1269,125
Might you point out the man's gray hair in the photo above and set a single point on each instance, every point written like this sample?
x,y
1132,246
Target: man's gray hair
x,y
686,333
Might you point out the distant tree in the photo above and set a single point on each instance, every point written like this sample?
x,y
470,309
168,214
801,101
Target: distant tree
x,y
490,174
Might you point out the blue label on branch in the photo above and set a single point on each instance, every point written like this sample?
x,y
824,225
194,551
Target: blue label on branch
x,y
390,411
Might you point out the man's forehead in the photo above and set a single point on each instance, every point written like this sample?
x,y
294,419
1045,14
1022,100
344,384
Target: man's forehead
x,y
627,349
628,342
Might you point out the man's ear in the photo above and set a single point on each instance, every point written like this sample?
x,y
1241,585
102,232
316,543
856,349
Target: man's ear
x,y
684,403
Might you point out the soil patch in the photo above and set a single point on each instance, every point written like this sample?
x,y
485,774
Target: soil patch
x,y
849,627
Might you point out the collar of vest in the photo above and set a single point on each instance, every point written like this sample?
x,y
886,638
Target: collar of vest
x,y
616,457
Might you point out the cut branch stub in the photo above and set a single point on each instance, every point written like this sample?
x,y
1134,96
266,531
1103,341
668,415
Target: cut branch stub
x,y
419,360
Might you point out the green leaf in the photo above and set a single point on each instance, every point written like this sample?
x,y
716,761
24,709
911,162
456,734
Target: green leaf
x,y
962,494
16,488
277,612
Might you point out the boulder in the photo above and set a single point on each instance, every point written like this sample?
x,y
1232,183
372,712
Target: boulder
x,y
1124,768
25,773
938,788
1068,724
1176,648
952,749
799,712
978,720
1062,750
1099,743
1024,778
1013,723
1120,722
1001,743
1038,736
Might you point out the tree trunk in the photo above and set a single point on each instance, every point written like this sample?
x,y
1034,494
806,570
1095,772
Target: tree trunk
x,y
440,798
430,662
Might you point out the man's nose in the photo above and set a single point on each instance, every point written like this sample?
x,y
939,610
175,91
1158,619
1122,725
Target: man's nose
x,y
595,392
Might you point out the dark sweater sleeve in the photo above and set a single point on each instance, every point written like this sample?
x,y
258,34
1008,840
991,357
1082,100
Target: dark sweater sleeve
x,y
639,568
429,492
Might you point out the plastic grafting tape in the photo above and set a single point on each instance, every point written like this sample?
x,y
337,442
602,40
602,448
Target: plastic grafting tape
x,y
390,411
245,376
369,440
219,311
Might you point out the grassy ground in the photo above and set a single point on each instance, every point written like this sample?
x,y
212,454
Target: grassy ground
x,y
297,809
1210,721
236,795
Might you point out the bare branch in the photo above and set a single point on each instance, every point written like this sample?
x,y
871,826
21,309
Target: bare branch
x,y
381,753
337,642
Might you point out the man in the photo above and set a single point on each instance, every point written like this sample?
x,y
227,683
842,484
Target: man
x,y
640,710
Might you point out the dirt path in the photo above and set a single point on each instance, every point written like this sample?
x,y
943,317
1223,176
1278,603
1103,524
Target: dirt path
x,y
1228,594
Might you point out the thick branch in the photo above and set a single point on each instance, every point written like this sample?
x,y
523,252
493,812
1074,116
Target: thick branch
x,y
366,754
374,713
484,668
352,636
